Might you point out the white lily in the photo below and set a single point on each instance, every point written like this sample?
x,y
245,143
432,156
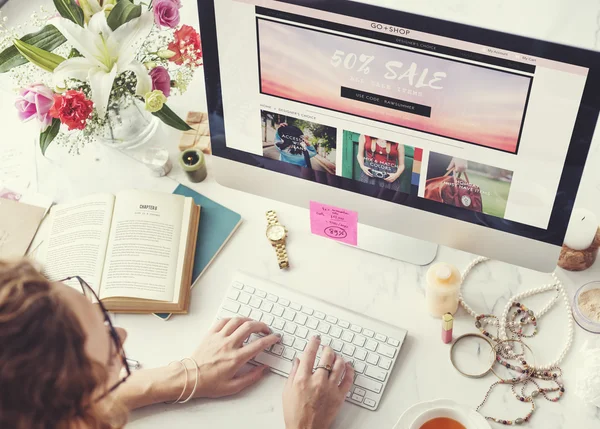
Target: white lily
x,y
106,54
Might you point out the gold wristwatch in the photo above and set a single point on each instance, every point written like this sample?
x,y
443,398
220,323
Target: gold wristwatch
x,y
276,233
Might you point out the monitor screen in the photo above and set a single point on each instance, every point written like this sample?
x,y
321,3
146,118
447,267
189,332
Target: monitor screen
x,y
476,125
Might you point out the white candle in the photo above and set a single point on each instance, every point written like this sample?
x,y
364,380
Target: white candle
x,y
582,229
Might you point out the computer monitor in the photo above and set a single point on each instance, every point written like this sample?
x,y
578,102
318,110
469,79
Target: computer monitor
x,y
439,131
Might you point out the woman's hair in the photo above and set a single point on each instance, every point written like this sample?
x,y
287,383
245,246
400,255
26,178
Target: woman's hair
x,y
46,378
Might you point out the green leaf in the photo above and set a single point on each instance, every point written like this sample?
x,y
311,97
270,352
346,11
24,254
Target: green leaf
x,y
49,135
48,38
41,58
74,53
70,10
123,12
171,119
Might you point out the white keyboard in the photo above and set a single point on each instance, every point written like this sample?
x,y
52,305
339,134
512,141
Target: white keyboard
x,y
370,345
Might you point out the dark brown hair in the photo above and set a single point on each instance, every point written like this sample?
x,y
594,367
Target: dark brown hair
x,y
46,378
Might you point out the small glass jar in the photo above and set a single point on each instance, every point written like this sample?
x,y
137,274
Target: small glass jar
x,y
579,316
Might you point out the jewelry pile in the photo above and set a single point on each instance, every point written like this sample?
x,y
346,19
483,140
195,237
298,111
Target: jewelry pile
x,y
516,323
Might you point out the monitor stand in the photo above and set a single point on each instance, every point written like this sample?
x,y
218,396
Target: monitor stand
x,y
396,246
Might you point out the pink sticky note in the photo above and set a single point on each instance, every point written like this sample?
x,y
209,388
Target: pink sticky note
x,y
334,222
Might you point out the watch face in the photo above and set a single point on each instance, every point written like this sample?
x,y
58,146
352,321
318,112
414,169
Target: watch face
x,y
276,232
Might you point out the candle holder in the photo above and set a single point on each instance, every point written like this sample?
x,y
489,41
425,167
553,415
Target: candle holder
x,y
579,260
192,161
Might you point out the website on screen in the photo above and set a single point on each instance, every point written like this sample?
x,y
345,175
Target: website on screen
x,y
471,126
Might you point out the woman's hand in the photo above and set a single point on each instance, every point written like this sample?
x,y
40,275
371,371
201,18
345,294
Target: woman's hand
x,y
366,171
458,165
393,177
220,356
313,400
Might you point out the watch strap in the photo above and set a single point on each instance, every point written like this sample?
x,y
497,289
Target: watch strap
x,y
272,217
282,256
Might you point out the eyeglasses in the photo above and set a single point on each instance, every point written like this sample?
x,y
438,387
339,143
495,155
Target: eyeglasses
x,y
89,293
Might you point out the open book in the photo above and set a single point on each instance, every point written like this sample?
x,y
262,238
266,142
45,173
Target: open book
x,y
136,249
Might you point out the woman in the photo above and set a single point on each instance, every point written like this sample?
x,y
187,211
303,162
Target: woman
x,y
381,162
61,360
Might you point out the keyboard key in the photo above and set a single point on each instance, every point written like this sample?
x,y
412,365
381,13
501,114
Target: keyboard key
x,y
308,311
290,328
249,289
245,311
244,298
289,354
277,349
347,336
359,367
231,306
287,340
266,306
224,314
348,394
372,359
274,362
368,333
370,402
331,319
360,392
385,363
356,328
393,342
271,297
360,354
289,314
325,340
359,341
253,338
255,302
268,319
312,323
367,383
237,285
277,310
348,349
319,315
256,315
284,302
371,345
301,319
260,294
233,294
301,332
380,337
357,398
376,373
295,306
344,324
268,348
335,332
299,344
386,350
324,327
337,345
279,324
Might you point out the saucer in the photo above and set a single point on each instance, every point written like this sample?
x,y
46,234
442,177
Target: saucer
x,y
413,412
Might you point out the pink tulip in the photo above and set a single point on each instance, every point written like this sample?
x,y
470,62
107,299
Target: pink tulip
x,y
36,101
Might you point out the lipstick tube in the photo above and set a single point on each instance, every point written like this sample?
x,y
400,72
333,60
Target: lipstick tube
x,y
447,325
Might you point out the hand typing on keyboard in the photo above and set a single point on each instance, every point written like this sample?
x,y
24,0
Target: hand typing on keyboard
x,y
313,398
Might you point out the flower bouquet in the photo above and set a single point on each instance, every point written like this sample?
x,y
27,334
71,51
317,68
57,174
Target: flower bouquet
x,y
94,60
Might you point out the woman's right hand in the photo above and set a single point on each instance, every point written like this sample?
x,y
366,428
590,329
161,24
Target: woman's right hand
x,y
366,171
312,400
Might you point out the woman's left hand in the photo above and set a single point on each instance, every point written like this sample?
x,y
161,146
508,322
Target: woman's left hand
x,y
393,177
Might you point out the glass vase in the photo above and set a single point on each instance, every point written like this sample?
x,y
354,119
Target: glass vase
x,y
128,124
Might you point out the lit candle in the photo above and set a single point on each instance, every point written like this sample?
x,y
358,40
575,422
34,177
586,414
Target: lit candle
x,y
193,163
582,229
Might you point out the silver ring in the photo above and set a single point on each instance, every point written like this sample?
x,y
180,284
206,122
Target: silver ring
x,y
325,367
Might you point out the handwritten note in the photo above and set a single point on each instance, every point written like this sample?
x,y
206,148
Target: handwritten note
x,y
334,222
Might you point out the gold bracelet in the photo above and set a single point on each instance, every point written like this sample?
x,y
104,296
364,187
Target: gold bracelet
x,y
196,382
462,337
184,386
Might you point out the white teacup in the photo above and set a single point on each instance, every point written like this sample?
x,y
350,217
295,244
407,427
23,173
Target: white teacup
x,y
451,413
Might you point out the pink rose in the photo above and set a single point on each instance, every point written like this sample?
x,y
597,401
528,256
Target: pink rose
x,y
36,100
166,13
161,80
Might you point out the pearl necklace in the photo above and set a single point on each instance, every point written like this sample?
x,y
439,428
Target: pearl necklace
x,y
503,322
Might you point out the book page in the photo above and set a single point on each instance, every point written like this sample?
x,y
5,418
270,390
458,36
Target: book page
x,y
144,246
77,240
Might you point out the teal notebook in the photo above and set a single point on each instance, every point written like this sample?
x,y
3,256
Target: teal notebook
x,y
217,225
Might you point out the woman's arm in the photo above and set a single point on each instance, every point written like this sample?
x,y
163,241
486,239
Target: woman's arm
x,y
360,156
401,166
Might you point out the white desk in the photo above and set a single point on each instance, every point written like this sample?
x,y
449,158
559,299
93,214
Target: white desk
x,y
369,284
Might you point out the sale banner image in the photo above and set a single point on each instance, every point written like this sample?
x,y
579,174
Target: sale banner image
x,y
441,96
